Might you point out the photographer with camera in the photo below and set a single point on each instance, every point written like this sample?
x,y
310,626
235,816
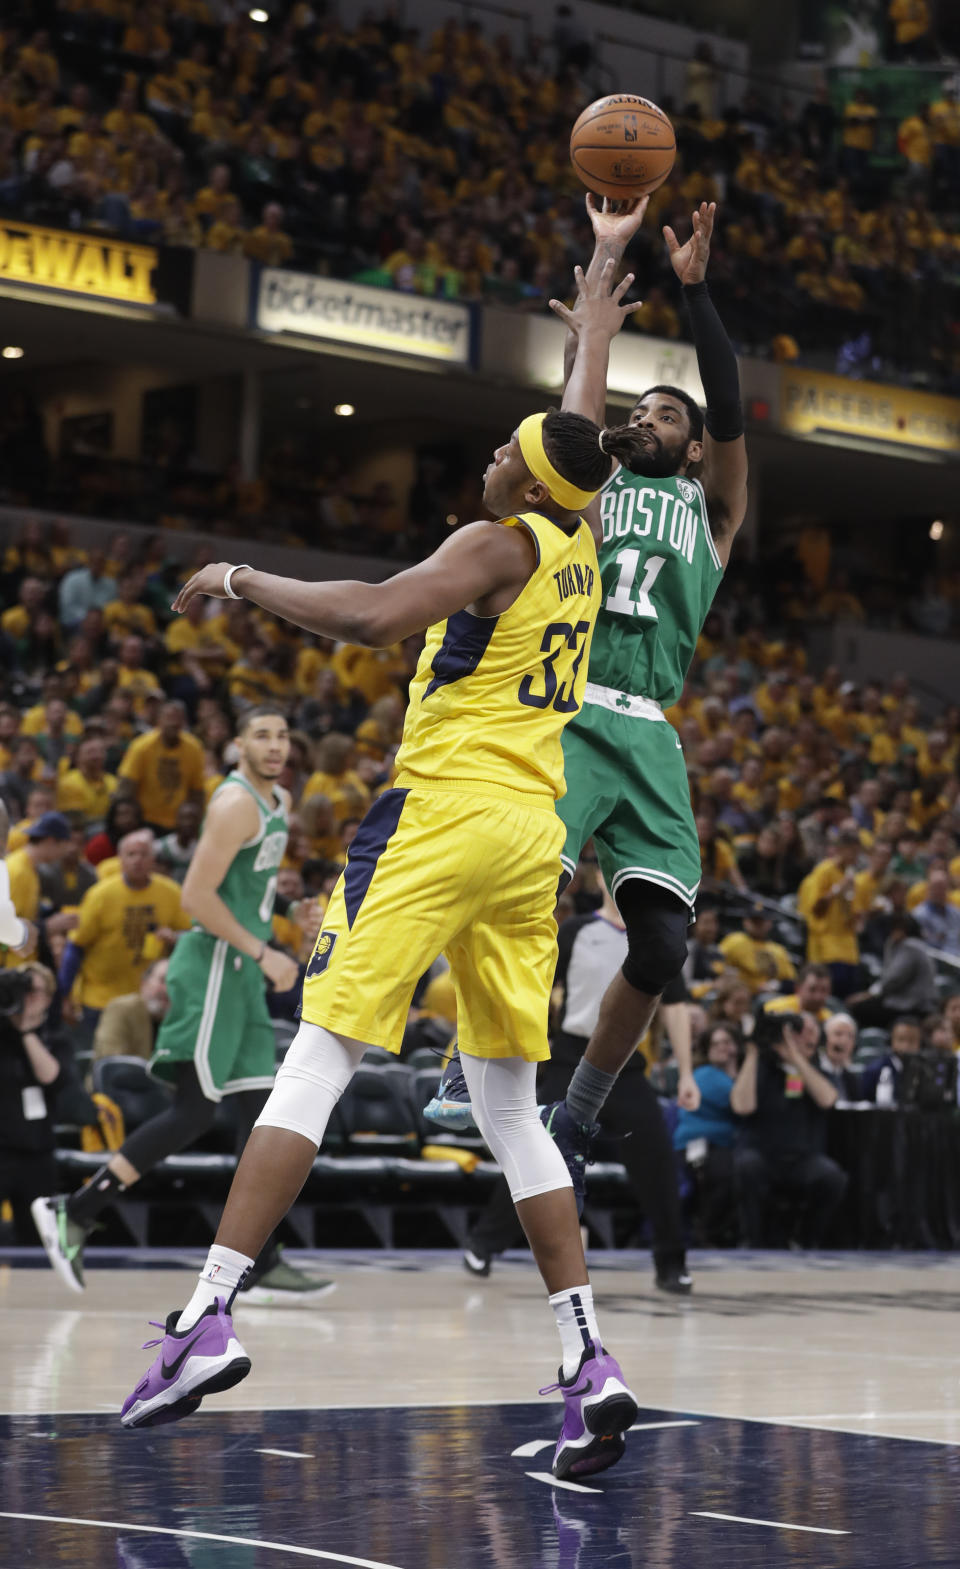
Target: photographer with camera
x,y
783,1101
30,1076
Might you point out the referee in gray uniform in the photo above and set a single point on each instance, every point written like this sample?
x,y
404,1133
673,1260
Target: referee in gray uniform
x,y
591,950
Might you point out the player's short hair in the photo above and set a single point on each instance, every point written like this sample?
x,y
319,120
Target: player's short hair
x,y
259,711
694,412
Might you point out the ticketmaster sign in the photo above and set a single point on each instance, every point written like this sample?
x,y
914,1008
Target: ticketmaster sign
x,y
351,313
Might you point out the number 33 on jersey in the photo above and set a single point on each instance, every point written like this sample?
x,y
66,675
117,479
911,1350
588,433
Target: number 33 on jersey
x,y
492,694
659,572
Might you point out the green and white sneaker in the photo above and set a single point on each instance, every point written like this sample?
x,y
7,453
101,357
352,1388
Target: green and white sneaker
x,y
284,1286
62,1238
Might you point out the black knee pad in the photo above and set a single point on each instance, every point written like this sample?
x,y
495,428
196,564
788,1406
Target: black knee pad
x,y
656,923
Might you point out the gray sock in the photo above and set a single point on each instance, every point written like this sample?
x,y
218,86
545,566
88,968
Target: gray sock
x,y
588,1090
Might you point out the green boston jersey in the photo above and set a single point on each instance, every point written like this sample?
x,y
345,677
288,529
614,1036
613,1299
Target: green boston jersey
x,y
249,888
659,572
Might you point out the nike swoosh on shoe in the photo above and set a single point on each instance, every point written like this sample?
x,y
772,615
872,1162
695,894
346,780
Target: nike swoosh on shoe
x,y
177,1363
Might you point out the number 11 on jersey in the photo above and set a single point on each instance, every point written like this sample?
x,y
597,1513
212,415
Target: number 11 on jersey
x,y
621,600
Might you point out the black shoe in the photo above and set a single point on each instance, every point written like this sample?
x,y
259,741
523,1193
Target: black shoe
x,y
476,1262
671,1273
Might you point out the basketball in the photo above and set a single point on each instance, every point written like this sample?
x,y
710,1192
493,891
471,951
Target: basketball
x,y
622,146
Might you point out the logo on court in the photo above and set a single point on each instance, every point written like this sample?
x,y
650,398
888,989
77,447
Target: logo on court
x,y
326,943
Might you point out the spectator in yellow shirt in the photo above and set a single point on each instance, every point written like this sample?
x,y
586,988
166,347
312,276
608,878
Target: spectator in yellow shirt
x,y
47,839
915,141
657,316
911,28
335,777
212,200
127,613
87,788
859,136
827,898
163,768
124,924
227,234
716,855
761,964
268,243
132,675
811,995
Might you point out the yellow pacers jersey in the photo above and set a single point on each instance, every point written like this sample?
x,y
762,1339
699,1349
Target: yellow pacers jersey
x,y
492,693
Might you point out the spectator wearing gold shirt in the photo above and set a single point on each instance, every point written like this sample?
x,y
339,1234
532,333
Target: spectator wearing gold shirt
x,y
762,964
163,768
268,243
828,901
124,924
87,789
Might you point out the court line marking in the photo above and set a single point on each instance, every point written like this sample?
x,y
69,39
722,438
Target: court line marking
x,y
204,1536
285,1454
527,1451
777,1525
648,1427
554,1481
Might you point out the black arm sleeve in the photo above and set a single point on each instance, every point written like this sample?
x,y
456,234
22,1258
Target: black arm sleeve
x,y
717,363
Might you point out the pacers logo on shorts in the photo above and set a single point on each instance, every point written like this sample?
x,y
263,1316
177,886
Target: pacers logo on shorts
x,y
321,954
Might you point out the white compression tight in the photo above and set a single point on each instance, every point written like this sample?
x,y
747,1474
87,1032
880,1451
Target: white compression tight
x,y
310,1080
503,1094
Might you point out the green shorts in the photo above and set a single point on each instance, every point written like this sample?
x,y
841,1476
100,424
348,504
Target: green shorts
x,y
627,789
218,1019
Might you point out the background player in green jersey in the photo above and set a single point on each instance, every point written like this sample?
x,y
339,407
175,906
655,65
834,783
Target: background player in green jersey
x,y
217,1038
666,529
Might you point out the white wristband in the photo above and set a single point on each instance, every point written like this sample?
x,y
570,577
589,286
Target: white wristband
x,y
227,587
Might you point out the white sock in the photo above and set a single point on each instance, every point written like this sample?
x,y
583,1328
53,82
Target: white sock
x,y
219,1277
577,1323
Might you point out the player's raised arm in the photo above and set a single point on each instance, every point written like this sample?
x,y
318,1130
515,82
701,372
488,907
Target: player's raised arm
x,y
594,322
724,446
613,232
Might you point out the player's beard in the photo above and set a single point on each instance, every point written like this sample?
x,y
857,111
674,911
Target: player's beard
x,y
652,459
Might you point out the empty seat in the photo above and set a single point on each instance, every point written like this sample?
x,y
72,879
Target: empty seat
x,y
377,1109
126,1081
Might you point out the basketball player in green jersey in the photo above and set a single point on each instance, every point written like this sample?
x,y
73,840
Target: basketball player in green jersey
x,y
666,530
217,1038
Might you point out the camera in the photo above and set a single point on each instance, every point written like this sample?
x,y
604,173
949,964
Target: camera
x,y
15,988
772,1028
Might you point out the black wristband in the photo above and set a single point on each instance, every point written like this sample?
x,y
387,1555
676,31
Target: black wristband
x,y
717,364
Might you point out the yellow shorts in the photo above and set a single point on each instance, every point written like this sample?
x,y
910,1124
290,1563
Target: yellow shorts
x,y
443,871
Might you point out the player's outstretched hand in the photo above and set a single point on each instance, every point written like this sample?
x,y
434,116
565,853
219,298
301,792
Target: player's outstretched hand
x,y
209,580
690,260
620,225
599,305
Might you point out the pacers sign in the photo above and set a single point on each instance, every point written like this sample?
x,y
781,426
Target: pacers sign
x,y
80,263
352,313
811,403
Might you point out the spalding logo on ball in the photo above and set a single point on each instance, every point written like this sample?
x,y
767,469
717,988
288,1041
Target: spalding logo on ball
x,y
623,146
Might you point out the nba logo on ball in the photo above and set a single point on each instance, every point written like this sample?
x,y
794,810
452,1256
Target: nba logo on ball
x,y
622,146
326,943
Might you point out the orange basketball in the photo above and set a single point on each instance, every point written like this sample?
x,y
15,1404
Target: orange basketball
x,y
623,146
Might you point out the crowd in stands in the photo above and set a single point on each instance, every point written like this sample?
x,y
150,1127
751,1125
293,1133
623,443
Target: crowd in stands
x,y
437,163
829,820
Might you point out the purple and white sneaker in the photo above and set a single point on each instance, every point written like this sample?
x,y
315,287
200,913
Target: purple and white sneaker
x,y
598,1409
202,1360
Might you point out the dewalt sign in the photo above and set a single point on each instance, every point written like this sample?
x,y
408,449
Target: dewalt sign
x,y
81,263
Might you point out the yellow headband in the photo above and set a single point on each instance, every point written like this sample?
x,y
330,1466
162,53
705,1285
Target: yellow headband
x,y
566,495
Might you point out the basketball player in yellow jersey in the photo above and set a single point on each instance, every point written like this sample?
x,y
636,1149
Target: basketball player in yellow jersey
x,y
462,856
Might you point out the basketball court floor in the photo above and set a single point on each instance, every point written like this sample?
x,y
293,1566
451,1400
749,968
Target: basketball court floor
x,y
797,1411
